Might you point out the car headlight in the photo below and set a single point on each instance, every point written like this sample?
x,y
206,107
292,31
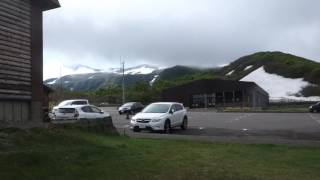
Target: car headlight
x,y
155,120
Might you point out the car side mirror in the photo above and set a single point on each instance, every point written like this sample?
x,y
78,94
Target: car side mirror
x,y
171,111
101,112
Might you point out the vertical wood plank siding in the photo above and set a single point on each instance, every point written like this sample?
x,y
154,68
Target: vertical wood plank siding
x,y
15,49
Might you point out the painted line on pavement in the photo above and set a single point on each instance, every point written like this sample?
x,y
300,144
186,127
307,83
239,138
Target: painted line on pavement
x,y
314,118
241,117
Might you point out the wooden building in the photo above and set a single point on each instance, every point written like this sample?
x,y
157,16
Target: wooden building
x,y
21,59
218,93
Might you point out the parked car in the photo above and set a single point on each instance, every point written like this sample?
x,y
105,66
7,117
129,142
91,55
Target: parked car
x,y
131,108
315,108
77,112
72,102
160,116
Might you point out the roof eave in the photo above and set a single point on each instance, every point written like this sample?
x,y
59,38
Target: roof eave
x,y
50,4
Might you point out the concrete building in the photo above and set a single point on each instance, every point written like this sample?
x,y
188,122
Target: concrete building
x,y
218,93
21,60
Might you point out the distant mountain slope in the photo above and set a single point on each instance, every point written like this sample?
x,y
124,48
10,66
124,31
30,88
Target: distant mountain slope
x,y
95,80
272,66
177,72
279,63
294,68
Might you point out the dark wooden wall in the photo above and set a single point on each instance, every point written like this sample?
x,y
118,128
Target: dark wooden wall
x,y
15,49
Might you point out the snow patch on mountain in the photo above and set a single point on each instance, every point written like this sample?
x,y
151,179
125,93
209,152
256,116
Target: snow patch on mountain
x,y
153,80
248,67
52,82
230,73
144,69
279,87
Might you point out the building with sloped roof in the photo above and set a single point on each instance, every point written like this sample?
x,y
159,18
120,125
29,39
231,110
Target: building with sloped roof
x,y
218,93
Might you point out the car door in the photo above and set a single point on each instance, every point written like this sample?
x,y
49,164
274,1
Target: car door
x,y
140,107
87,112
180,114
96,113
174,115
134,108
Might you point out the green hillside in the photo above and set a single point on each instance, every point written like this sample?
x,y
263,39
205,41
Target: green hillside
x,y
279,63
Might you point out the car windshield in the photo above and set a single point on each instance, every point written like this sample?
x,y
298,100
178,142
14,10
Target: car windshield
x,y
157,108
127,104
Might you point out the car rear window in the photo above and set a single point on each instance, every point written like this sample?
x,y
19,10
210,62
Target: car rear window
x,y
66,110
79,103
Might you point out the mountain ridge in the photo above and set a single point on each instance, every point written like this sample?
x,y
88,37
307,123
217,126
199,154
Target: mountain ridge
x,y
282,64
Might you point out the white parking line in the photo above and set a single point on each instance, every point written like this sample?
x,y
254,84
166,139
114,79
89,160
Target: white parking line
x,y
315,118
241,117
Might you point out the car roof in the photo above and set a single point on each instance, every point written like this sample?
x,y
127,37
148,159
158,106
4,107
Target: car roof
x,y
70,100
169,103
76,106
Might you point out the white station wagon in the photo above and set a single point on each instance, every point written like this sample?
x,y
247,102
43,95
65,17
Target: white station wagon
x,y
160,116
79,112
71,102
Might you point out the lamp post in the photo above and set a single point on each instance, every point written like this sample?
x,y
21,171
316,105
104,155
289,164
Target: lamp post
x,y
123,93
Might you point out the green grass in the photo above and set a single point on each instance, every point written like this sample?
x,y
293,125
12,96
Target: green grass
x,y
73,154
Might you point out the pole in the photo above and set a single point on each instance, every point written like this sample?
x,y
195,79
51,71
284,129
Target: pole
x,y
123,95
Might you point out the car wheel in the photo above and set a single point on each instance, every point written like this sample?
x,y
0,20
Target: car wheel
x,y
167,127
184,124
136,129
120,113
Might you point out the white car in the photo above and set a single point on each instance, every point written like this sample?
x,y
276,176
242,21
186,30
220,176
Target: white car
x,y
73,102
79,112
160,116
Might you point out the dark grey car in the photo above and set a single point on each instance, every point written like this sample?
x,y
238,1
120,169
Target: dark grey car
x,y
315,108
131,108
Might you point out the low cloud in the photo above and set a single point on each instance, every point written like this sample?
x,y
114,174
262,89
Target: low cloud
x,y
170,32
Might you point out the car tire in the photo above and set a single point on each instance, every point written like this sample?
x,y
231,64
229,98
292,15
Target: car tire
x,y
136,129
184,124
167,127
120,113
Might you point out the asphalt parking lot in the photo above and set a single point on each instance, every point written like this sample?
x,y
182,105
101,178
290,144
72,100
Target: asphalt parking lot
x,y
272,126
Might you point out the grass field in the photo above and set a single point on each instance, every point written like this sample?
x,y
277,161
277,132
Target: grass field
x,y
76,155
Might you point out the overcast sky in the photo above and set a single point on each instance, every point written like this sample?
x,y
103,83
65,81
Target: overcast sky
x,y
164,33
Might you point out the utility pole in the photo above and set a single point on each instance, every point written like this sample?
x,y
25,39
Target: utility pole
x,y
123,94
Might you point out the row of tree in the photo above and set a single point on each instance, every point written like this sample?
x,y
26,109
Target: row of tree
x,y
141,91
112,94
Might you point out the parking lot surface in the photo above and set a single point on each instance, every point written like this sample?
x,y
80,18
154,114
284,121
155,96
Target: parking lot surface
x,y
273,127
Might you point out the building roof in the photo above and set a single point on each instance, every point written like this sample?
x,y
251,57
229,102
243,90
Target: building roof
x,y
49,4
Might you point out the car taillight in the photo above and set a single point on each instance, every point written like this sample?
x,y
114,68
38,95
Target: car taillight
x,y
76,114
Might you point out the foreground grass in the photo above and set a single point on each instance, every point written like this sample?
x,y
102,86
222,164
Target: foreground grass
x,y
73,154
